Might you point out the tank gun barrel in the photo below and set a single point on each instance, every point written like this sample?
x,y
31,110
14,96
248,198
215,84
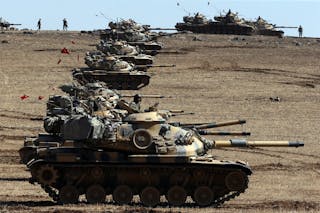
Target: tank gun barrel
x,y
179,124
147,96
150,65
204,132
176,111
163,34
147,66
288,27
170,52
182,113
8,24
245,143
215,125
159,28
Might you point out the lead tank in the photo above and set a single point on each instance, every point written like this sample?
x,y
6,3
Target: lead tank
x,y
96,157
262,27
223,24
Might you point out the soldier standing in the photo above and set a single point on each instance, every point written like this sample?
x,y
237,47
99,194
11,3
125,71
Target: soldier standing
x,y
39,24
135,104
65,24
300,30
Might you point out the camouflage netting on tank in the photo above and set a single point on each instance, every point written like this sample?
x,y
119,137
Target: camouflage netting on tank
x,y
59,105
127,25
197,19
52,124
127,35
81,127
117,48
98,60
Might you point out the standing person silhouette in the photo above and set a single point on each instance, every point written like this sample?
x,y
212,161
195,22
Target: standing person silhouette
x,y
300,30
65,24
39,24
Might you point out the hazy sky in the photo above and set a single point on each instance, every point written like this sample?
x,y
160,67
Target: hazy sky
x,y
95,14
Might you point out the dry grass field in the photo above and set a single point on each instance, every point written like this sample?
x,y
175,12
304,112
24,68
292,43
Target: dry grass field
x,y
217,77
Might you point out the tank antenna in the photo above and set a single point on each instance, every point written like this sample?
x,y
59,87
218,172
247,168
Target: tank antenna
x,y
104,16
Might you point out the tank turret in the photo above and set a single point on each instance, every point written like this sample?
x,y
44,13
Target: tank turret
x,y
125,52
127,35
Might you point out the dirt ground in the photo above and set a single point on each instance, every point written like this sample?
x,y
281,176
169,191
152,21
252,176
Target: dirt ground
x,y
217,77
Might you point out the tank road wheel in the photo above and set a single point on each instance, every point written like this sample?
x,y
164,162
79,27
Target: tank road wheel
x,y
142,139
236,181
150,196
68,194
122,194
95,194
177,196
203,196
47,175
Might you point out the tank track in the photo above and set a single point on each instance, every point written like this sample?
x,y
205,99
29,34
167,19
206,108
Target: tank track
x,y
225,198
51,192
267,32
216,203
97,175
48,189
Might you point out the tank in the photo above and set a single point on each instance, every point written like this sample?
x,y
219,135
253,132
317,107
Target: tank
x,y
223,24
262,27
97,156
116,73
119,80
